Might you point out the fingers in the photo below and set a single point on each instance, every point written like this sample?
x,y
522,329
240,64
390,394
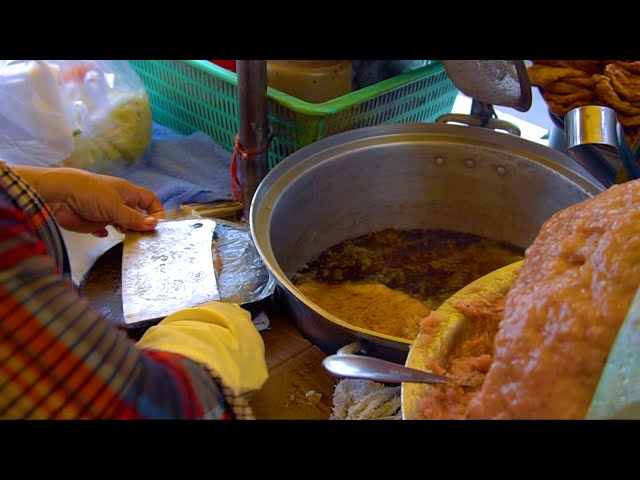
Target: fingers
x,y
68,219
131,219
96,229
128,218
101,200
149,202
139,209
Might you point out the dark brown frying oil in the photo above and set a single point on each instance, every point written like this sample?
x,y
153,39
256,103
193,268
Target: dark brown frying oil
x,y
430,265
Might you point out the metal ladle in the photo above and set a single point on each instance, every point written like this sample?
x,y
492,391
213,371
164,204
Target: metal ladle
x,y
371,368
488,83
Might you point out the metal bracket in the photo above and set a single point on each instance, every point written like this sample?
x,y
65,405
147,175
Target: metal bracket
x,y
482,115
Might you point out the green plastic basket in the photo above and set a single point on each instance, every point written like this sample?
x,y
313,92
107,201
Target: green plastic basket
x,y
197,95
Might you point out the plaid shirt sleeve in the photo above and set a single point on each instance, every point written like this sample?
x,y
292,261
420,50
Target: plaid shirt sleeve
x,y
60,359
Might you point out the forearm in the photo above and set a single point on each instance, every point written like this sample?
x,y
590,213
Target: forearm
x,y
87,369
59,358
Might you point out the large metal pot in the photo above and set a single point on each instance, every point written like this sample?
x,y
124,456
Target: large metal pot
x,y
404,176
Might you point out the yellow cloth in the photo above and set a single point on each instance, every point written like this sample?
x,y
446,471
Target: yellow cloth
x,y
219,335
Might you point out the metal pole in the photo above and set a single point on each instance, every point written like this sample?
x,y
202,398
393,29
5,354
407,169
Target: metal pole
x,y
254,126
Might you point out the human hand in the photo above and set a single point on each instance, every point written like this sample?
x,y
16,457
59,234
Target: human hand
x,y
87,202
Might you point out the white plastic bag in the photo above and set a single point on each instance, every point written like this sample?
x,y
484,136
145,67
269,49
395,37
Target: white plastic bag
x,y
91,114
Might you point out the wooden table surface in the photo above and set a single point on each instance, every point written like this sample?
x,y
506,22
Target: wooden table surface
x,y
298,387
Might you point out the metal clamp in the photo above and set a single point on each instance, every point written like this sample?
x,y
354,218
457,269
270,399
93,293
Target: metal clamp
x,y
482,115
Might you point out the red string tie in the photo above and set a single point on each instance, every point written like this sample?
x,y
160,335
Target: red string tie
x,y
245,154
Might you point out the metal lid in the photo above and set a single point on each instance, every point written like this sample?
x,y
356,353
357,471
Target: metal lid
x,y
495,82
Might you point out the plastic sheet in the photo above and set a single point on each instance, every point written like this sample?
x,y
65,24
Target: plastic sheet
x,y
90,114
618,392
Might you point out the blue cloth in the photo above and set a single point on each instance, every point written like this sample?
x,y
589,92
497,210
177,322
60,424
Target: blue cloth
x,y
181,169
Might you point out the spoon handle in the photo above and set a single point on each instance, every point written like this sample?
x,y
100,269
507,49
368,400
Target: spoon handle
x,y
371,368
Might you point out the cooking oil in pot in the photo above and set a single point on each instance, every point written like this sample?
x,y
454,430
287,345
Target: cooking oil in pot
x,y
387,281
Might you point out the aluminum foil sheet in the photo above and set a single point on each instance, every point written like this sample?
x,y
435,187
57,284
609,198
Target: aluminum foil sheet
x,y
243,277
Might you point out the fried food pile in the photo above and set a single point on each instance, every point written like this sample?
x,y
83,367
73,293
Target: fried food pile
x,y
564,310
469,360
568,84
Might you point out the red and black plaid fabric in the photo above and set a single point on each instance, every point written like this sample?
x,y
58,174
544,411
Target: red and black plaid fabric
x,y
59,358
